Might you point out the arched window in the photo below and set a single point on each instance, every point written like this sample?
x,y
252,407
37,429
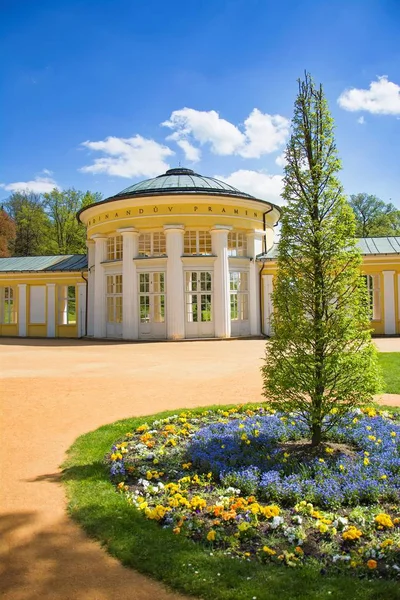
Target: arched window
x,y
114,247
237,243
152,244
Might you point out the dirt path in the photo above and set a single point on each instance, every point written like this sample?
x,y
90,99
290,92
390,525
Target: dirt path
x,y
51,392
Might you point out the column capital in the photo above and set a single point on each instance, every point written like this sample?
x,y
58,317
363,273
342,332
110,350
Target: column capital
x,y
89,243
221,228
125,230
80,283
50,284
98,237
169,228
22,285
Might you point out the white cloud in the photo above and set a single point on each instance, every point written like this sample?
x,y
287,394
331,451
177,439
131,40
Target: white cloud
x,y
262,133
361,120
128,157
39,185
47,172
382,97
192,154
260,185
281,160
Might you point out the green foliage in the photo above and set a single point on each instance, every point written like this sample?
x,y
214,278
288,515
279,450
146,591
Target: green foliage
x,y
47,224
62,205
374,217
321,356
7,233
33,226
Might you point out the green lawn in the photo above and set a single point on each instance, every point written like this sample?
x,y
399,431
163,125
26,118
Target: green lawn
x,y
179,562
390,364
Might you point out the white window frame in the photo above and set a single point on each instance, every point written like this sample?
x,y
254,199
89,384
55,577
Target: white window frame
x,y
115,247
203,290
152,294
8,312
372,281
152,243
239,295
114,287
197,242
65,302
237,243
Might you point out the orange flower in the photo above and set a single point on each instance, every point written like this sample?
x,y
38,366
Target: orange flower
x,y
372,564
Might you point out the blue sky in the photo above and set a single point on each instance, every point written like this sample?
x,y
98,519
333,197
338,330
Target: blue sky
x,y
86,86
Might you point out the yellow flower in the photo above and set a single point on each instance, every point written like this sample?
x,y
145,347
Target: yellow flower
x,y
186,465
386,543
366,461
270,511
372,564
321,460
384,521
211,535
393,433
372,438
323,528
383,477
351,534
329,450
176,530
269,551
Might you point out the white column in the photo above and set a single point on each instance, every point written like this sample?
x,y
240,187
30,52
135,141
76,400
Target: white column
x,y
130,251
254,247
51,310
221,309
175,285
81,309
389,303
90,291
267,303
22,309
99,326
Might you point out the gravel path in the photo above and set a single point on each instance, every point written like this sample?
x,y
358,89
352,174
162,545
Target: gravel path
x,y
51,392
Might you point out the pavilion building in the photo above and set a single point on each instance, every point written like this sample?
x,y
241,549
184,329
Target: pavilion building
x,y
173,257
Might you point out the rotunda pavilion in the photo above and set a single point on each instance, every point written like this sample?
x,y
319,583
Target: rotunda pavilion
x,y
174,257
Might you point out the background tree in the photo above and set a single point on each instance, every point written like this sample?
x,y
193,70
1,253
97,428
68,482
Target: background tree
x,y
33,226
7,234
321,356
61,206
374,217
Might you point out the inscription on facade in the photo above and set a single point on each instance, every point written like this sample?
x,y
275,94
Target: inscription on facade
x,y
160,210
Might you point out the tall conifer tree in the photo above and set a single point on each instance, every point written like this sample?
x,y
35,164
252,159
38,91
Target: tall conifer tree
x,y
321,359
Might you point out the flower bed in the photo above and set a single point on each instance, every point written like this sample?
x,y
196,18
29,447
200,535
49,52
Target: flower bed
x,y
242,482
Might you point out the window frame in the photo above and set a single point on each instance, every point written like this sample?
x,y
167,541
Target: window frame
x,y
150,240
8,303
64,303
115,247
239,296
114,298
200,240
373,285
237,244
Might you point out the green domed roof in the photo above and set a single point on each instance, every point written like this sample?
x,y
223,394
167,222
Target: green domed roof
x,y
182,181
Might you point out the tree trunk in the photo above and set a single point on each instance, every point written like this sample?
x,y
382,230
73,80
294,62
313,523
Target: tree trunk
x,y
316,434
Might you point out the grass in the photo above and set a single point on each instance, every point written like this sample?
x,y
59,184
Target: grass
x,y
179,562
390,365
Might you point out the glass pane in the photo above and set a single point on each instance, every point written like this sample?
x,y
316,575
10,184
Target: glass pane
x,y
110,284
144,306
234,307
110,309
206,307
118,309
144,285
118,284
71,302
110,248
244,305
159,309
191,308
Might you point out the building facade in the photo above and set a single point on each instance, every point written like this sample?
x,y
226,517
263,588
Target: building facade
x,y
174,257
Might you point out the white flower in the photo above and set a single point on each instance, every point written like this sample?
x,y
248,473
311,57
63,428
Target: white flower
x,y
276,522
297,519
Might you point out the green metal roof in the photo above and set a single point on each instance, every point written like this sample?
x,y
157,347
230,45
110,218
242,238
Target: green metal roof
x,y
182,181
67,262
367,246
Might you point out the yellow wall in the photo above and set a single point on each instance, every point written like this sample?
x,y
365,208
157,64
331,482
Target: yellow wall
x,y
372,265
199,211
40,278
